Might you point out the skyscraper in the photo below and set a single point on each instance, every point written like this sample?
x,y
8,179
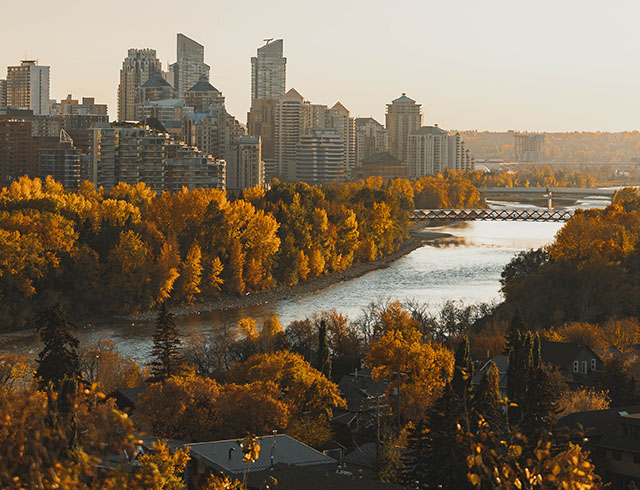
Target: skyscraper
x,y
190,65
261,121
321,157
28,87
371,138
432,150
292,120
341,121
403,118
268,72
137,68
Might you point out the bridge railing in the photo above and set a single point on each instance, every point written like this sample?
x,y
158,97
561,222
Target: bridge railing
x,y
556,215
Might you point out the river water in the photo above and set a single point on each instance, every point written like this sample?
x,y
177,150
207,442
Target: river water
x,y
465,267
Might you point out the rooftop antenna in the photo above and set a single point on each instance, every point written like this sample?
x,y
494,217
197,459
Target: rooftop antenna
x,y
268,40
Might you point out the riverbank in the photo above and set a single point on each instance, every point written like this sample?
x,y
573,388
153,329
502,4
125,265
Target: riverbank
x,y
228,301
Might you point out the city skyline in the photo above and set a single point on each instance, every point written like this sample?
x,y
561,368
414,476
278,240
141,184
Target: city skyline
x,y
489,66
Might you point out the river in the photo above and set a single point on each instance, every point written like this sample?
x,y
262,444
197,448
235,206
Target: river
x,y
465,267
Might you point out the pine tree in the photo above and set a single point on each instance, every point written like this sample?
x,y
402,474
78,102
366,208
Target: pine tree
x,y
516,327
539,413
324,356
520,364
486,400
463,370
59,359
166,346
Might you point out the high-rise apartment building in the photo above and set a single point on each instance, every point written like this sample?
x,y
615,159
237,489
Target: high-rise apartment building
x,y
371,138
320,157
246,169
402,119
261,121
341,121
18,152
292,120
190,65
529,147
28,87
70,106
140,154
269,72
3,94
137,68
203,96
432,151
61,160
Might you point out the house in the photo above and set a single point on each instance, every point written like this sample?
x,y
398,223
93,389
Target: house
x,y
363,460
579,364
127,398
227,457
613,437
366,401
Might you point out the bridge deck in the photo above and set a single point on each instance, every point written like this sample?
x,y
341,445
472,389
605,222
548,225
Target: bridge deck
x,y
492,214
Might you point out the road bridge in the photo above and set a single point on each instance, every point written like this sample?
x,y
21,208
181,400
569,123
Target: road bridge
x,y
503,214
544,191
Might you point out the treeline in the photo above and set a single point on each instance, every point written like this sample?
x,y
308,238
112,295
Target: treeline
x,y
541,176
127,250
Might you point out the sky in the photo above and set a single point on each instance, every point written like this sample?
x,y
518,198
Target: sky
x,y
560,65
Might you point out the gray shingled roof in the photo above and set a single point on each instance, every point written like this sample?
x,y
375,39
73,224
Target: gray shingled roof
x,y
203,85
156,81
403,98
383,157
287,450
435,130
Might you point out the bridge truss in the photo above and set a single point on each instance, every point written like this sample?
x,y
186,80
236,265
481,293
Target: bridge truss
x,y
492,214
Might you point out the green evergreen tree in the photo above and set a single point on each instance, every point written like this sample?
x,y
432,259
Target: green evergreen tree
x,y
486,400
166,346
324,356
539,412
59,359
518,371
463,370
516,328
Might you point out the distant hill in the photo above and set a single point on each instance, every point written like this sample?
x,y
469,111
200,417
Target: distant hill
x,y
573,147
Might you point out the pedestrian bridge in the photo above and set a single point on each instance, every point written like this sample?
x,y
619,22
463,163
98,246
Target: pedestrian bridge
x,y
502,214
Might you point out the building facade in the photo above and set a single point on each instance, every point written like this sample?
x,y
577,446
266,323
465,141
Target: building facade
x,y
320,158
432,151
404,117
61,160
18,152
140,154
137,68
28,87
203,96
246,169
529,147
261,121
371,138
3,94
292,120
190,65
341,121
269,72
382,165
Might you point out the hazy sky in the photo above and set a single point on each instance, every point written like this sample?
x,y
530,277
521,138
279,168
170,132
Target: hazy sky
x,y
487,65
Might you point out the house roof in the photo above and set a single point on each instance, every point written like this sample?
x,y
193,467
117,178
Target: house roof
x,y
364,455
227,455
562,353
596,423
295,478
382,157
502,363
357,388
156,81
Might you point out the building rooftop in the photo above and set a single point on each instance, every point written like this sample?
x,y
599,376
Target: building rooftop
x,y
203,85
382,157
227,455
339,107
292,94
156,81
365,120
403,98
434,130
